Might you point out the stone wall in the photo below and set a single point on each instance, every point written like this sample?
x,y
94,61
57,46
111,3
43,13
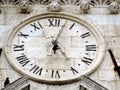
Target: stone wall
x,y
109,25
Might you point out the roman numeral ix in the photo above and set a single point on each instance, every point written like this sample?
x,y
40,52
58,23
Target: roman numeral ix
x,y
18,47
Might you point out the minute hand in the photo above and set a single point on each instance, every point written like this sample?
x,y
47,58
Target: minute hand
x,y
60,31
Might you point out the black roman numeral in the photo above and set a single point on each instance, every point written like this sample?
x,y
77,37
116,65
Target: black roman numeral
x,y
36,70
73,70
87,61
72,26
18,47
85,35
90,47
24,35
54,22
23,60
55,74
37,26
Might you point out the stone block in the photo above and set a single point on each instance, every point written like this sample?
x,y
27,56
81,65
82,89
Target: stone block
x,y
106,75
40,86
115,85
110,30
107,62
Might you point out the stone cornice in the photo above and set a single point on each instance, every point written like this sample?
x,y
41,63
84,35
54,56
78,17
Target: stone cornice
x,y
62,2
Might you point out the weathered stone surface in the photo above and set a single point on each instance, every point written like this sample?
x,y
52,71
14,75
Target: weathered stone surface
x,y
109,26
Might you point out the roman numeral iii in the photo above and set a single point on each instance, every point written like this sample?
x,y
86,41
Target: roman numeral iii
x,y
90,47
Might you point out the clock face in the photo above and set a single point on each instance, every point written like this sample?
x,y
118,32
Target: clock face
x,y
54,48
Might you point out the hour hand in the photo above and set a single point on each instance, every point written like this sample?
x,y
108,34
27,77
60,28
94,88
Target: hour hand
x,y
64,54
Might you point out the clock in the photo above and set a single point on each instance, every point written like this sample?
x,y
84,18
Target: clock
x,y
54,48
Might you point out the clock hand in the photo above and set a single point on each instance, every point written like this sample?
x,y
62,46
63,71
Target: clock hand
x,y
50,51
64,54
60,31
55,47
55,42
116,68
50,38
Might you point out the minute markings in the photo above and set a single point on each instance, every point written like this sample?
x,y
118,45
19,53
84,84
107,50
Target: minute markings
x,y
79,64
22,41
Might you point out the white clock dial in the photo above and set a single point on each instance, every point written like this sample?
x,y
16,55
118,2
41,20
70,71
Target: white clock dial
x,y
55,48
